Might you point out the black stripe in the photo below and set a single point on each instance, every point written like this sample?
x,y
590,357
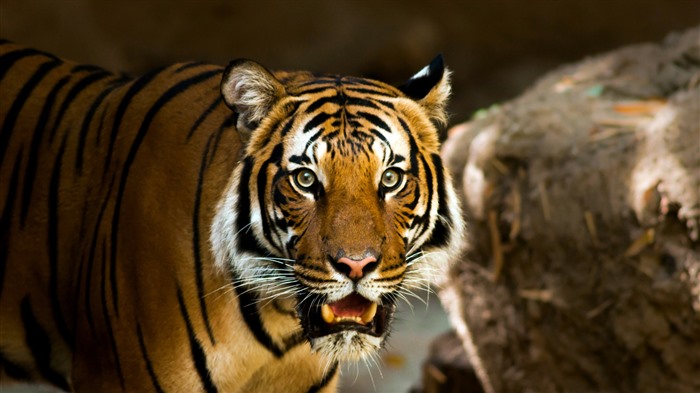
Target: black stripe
x,y
383,138
196,245
13,370
100,128
149,365
382,93
9,59
204,115
275,158
375,120
387,279
327,81
136,86
371,103
356,81
6,218
188,65
108,321
424,220
336,99
300,159
291,109
22,97
314,137
229,122
198,356
318,120
414,146
39,345
326,379
79,87
245,239
411,205
76,295
91,258
53,244
315,90
86,67
171,93
247,304
415,154
365,103
85,128
313,279
33,159
440,235
293,340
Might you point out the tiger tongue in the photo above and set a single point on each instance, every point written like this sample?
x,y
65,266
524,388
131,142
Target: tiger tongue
x,y
350,306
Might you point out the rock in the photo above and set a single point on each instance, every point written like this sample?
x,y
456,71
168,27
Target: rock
x,y
447,368
583,200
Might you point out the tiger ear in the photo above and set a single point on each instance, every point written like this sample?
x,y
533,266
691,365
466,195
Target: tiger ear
x,y
430,87
250,90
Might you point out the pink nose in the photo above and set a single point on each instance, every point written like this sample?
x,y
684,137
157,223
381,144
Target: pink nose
x,y
357,267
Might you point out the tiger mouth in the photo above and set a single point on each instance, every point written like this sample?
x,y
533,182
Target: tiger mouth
x,y
353,312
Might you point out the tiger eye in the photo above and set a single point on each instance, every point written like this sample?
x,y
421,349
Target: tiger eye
x,y
305,178
391,178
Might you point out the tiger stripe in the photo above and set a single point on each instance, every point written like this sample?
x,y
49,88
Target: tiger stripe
x,y
39,344
5,219
18,103
198,356
147,360
196,238
53,245
34,145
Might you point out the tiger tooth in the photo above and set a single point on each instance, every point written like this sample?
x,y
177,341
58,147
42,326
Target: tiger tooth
x,y
327,314
369,314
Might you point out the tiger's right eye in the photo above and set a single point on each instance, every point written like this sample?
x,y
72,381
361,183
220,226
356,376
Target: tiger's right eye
x,y
305,179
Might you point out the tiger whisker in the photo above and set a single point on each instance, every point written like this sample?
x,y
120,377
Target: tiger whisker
x,y
245,228
369,371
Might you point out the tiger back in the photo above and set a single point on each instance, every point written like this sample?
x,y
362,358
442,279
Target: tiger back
x,y
208,229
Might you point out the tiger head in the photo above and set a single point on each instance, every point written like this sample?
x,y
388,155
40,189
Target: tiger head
x,y
340,203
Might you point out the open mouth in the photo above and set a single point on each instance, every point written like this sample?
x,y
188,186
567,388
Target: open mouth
x,y
352,312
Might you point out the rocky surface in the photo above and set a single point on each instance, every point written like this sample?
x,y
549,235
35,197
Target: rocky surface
x,y
583,196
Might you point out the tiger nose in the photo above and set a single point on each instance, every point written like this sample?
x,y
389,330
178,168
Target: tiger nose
x,y
355,269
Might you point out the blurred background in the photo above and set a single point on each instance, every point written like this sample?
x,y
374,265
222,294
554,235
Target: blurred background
x,y
495,48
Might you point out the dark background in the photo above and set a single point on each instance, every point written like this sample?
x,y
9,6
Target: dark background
x,y
495,48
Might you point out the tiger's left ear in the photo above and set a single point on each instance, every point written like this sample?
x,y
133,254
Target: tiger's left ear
x,y
430,87
250,90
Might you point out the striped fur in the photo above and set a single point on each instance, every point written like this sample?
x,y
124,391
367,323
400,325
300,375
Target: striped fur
x,y
154,239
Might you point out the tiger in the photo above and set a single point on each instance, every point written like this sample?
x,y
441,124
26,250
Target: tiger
x,y
214,229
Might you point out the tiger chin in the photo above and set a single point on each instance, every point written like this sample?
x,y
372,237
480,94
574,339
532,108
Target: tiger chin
x,y
207,228
354,181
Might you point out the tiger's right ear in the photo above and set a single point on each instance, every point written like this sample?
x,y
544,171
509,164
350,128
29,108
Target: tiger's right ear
x,y
250,90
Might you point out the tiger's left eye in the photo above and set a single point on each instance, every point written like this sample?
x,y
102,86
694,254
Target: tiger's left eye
x,y
391,178
305,179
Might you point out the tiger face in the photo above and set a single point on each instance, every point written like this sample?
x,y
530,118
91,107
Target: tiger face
x,y
341,203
